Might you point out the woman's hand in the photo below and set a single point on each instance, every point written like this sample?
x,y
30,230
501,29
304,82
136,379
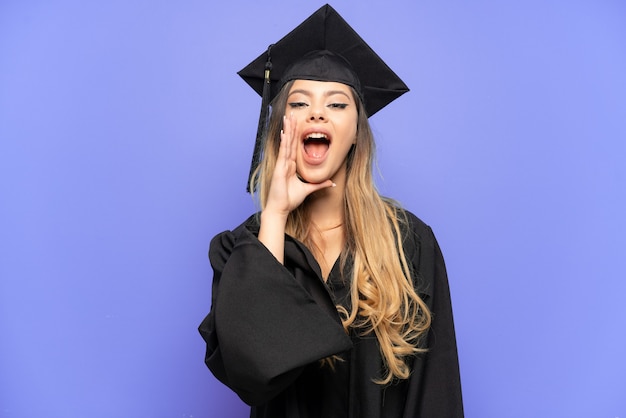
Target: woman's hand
x,y
287,190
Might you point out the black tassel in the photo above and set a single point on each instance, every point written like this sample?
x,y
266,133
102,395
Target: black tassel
x,y
263,121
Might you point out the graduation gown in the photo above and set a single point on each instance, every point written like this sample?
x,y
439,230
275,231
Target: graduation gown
x,y
270,324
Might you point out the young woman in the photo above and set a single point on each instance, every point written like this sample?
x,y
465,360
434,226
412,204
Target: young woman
x,y
332,301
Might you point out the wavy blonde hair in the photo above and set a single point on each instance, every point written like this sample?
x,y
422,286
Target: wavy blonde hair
x,y
383,297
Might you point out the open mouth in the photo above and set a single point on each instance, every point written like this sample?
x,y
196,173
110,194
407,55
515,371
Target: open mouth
x,y
316,145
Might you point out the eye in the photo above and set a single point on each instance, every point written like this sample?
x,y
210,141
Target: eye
x,y
338,105
296,105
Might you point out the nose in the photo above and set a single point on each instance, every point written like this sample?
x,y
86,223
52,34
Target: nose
x,y
317,113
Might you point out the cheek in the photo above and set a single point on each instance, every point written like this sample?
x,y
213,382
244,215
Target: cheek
x,y
354,132
350,127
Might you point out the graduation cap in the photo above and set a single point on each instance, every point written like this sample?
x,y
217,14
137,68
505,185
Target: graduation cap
x,y
322,48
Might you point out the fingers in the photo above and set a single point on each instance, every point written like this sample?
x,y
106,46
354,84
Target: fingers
x,y
293,144
288,141
284,147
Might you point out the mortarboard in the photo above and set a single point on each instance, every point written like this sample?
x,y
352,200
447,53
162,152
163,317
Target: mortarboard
x,y
323,48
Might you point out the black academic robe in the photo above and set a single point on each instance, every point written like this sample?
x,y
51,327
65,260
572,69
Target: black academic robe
x,y
270,324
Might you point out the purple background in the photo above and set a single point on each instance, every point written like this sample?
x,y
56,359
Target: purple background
x,y
125,139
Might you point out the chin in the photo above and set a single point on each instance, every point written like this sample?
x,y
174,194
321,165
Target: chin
x,y
315,179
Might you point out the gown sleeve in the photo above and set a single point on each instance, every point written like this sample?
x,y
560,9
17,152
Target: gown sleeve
x,y
264,326
435,386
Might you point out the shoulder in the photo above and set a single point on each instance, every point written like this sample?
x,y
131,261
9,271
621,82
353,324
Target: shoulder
x,y
420,248
249,226
223,242
414,229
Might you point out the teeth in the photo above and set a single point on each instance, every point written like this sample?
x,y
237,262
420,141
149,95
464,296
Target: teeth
x,y
317,135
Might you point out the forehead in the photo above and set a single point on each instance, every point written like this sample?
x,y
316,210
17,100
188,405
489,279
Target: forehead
x,y
320,87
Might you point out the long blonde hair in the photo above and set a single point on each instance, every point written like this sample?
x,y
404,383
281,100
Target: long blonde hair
x,y
384,300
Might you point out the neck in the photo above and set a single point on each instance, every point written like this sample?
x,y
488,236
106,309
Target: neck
x,y
327,207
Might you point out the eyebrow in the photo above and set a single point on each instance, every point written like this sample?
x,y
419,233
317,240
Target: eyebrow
x,y
327,93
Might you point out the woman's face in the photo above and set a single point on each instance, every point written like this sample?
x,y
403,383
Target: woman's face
x,y
325,114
